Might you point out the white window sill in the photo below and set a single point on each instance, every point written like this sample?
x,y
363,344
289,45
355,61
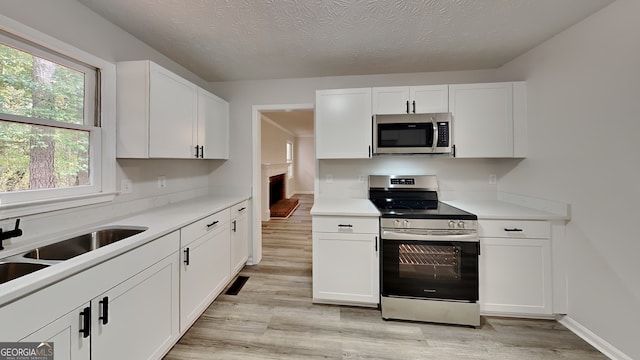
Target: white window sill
x,y
42,206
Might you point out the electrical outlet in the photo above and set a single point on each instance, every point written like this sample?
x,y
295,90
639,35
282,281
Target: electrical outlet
x,y
362,179
162,182
492,179
126,186
329,178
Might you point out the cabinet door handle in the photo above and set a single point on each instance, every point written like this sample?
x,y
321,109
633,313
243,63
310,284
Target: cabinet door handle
x,y
234,226
85,316
376,244
105,310
407,106
202,152
414,106
513,230
186,256
213,223
197,151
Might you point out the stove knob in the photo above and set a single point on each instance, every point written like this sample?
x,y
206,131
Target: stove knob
x,y
461,224
405,223
452,224
396,223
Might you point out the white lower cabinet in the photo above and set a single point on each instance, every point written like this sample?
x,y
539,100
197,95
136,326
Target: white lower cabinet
x,y
124,316
516,268
239,236
64,333
204,270
346,260
137,319
135,305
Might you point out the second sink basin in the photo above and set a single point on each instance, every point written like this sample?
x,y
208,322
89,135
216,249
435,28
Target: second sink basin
x,y
78,245
13,270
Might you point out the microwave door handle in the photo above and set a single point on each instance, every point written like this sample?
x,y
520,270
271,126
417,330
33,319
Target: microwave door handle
x,y
435,135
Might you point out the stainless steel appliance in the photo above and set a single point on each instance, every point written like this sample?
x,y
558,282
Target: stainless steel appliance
x,y
412,134
429,253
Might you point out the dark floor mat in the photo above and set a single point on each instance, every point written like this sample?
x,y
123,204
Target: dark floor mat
x,y
283,208
237,285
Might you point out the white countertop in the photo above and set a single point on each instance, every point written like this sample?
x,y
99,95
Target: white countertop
x,y
159,222
496,209
344,207
485,209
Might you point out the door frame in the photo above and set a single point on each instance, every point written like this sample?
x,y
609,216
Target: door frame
x,y
256,193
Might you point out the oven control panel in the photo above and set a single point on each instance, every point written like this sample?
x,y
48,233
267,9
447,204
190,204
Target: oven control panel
x,y
429,224
402,181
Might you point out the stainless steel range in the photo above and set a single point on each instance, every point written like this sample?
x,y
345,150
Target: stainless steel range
x,y
429,252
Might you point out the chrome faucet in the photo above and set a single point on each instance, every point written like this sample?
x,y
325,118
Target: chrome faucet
x,y
11,233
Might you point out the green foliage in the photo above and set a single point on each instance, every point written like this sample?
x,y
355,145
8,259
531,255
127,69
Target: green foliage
x,y
61,99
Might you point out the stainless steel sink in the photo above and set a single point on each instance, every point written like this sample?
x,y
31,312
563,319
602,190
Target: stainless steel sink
x,y
78,245
13,270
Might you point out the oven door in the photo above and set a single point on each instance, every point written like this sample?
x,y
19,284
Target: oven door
x,y
430,269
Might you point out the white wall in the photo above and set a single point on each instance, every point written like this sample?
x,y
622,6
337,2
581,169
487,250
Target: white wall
x,y
274,143
274,152
304,158
242,95
76,25
584,123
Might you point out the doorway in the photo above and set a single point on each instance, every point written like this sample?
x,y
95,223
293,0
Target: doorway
x,y
286,146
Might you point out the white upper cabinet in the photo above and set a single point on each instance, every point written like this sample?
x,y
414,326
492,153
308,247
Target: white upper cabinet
x,y
161,115
410,99
343,124
489,120
213,126
173,104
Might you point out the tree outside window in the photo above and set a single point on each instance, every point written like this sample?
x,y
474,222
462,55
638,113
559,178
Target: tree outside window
x,y
44,130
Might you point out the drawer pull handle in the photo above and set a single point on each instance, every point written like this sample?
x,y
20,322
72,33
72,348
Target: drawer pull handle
x,y
105,310
213,223
345,225
186,256
513,230
86,322
241,209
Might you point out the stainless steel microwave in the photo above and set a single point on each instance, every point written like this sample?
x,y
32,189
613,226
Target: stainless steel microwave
x,y
412,134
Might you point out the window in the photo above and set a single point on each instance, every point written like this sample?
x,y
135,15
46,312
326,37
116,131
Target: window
x,y
51,139
290,159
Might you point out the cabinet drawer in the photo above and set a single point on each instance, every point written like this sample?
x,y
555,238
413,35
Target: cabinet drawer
x,y
239,209
345,224
202,226
515,229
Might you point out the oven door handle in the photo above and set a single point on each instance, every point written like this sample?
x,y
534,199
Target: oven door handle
x,y
396,235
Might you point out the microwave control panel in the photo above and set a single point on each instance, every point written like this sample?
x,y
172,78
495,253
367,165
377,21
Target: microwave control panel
x,y
443,134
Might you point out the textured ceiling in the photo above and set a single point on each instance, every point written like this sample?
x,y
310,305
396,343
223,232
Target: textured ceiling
x,y
221,40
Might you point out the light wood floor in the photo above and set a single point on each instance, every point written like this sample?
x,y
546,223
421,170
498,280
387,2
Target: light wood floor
x,y
273,318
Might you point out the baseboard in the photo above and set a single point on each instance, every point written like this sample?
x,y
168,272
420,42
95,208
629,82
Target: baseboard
x,y
597,342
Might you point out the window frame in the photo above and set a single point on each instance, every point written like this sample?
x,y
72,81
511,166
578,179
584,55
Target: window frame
x,y
289,158
101,132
